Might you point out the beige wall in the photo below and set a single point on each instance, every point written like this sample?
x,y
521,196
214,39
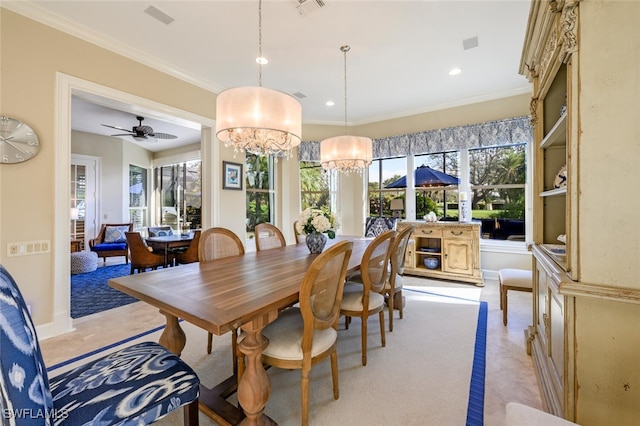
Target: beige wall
x,y
33,54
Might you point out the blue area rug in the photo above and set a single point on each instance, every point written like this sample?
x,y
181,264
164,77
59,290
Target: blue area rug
x,y
90,292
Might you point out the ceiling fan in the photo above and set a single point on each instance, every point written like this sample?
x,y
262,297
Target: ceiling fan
x,y
141,132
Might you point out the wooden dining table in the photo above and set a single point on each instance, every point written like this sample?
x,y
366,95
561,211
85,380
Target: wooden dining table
x,y
244,292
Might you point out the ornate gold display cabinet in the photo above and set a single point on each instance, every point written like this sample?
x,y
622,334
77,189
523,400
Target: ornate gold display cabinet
x,y
453,247
585,351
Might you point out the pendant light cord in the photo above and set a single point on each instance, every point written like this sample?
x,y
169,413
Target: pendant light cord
x,y
345,49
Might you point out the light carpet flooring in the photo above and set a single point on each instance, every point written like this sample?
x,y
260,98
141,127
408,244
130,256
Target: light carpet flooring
x,y
509,371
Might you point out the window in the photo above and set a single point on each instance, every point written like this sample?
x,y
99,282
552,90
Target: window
x,y
179,188
382,173
260,192
498,179
441,200
137,197
315,184
497,176
78,200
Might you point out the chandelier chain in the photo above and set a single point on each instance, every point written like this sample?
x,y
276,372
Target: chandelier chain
x,y
260,43
345,49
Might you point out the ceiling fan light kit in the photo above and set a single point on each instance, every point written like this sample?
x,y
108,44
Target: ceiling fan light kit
x,y
346,154
259,120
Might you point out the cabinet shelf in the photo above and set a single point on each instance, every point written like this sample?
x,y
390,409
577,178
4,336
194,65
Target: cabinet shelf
x,y
557,135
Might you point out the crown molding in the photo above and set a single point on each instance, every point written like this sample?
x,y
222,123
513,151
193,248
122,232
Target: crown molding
x,y
43,16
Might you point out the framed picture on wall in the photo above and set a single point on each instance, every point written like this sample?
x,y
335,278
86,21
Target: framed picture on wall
x,y
231,175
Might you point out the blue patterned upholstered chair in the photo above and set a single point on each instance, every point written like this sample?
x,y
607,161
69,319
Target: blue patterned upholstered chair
x,y
133,386
377,225
111,241
159,231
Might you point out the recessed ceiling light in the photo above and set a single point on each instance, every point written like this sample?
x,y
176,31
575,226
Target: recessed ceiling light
x,y
262,60
455,71
330,103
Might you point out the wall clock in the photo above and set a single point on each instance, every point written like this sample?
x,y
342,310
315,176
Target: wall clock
x,y
18,141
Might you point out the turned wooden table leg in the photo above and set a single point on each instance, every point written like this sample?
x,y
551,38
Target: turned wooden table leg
x,y
254,387
173,337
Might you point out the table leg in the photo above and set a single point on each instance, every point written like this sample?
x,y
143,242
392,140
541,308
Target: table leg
x,y
173,337
254,387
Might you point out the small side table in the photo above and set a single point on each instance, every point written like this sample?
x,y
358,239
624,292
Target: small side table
x,y
76,246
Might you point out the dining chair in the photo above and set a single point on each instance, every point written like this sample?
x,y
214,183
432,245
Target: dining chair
x,y
393,285
366,298
268,236
303,336
159,231
300,238
135,385
217,243
142,256
190,255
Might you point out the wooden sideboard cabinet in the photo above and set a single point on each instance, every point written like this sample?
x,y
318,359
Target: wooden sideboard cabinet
x,y
454,245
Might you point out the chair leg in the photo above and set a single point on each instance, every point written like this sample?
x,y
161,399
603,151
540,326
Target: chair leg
x,y
334,374
304,394
390,303
401,304
209,342
382,335
364,340
503,302
191,413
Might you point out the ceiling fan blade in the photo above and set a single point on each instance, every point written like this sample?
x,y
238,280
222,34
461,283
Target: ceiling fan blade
x,y
118,128
162,136
124,134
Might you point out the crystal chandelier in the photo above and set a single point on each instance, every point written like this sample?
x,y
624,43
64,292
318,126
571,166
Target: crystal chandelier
x,y
256,119
346,153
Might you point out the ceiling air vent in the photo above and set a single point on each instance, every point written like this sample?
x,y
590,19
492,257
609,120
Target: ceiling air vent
x,y
304,7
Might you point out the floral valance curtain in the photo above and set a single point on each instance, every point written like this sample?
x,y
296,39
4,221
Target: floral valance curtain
x,y
491,133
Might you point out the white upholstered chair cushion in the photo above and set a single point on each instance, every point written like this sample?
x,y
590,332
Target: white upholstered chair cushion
x,y
285,337
352,297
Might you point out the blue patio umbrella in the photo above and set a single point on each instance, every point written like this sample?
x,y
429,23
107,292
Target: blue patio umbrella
x,y
424,177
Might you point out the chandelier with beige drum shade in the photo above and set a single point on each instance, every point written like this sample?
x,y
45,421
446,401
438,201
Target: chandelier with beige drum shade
x,y
346,153
259,120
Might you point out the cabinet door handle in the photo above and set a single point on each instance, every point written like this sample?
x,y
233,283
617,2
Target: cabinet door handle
x,y
430,231
457,233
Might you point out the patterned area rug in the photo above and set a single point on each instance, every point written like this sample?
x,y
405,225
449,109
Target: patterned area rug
x,y
90,292
433,364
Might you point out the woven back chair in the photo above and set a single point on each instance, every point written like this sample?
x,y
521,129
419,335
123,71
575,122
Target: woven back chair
x,y
268,236
363,299
393,286
300,238
301,337
217,243
142,258
190,255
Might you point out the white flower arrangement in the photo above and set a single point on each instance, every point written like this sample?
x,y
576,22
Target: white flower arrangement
x,y
318,221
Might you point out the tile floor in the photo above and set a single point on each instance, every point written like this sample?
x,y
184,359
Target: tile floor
x,y
509,370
